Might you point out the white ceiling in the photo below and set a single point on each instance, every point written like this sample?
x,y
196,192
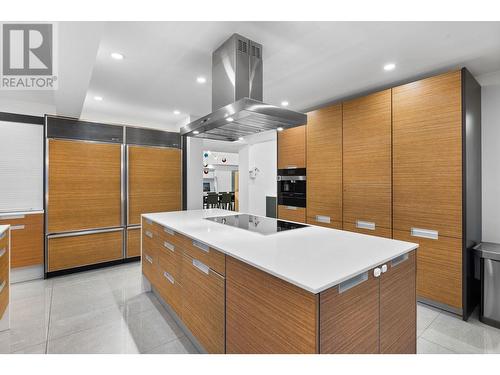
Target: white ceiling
x,y
305,63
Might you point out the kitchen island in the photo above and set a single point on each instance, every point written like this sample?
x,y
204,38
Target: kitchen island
x,y
249,284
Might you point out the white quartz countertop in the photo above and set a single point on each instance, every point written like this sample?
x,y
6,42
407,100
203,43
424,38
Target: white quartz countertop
x,y
313,258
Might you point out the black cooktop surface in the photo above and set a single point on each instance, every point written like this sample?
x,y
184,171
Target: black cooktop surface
x,y
259,224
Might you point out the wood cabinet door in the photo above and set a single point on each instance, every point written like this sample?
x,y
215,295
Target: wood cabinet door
x,y
154,181
292,148
133,242
439,268
427,155
26,239
324,165
349,316
367,164
398,306
203,309
290,213
84,185
84,250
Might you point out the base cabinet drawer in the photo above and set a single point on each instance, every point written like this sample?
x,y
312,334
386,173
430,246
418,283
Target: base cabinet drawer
x,y
203,309
324,221
169,286
4,272
149,261
84,249
133,242
205,254
290,213
368,228
26,239
439,268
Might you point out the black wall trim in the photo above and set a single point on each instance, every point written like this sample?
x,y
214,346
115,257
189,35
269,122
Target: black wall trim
x,y
152,137
90,267
471,188
71,128
26,119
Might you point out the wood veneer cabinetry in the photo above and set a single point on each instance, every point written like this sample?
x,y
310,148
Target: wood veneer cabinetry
x,y
4,272
84,181
324,166
292,148
26,239
133,242
291,213
367,169
154,181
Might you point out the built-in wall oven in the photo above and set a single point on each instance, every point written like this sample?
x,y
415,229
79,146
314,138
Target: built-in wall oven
x,y
292,187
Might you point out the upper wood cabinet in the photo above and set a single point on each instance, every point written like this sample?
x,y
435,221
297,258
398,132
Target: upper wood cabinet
x,y
427,155
84,185
154,181
324,166
292,148
367,169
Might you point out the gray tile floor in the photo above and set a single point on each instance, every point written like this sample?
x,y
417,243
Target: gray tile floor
x,y
109,311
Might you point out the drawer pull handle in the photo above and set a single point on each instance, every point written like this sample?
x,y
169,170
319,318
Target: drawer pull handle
x,y
3,251
169,231
291,167
291,207
322,219
2,286
201,246
169,246
365,225
202,267
352,282
12,217
398,260
149,259
17,227
425,233
169,277
149,234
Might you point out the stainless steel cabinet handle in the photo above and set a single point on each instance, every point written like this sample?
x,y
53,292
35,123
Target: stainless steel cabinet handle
x,y
2,286
425,233
365,225
201,246
149,234
377,272
17,227
400,259
169,246
384,268
201,266
149,259
169,231
12,217
352,282
322,219
291,207
291,167
3,251
169,277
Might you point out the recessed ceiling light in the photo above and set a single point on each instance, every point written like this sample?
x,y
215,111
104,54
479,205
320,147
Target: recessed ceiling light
x,y
229,119
279,129
117,56
98,98
196,132
240,138
176,112
201,79
389,67
284,103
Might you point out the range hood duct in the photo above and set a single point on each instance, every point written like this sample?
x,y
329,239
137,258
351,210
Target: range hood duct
x,y
237,107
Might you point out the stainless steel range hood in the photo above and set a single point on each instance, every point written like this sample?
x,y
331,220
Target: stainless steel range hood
x,y
237,107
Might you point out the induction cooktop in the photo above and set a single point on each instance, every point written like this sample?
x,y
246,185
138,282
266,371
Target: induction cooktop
x,y
259,224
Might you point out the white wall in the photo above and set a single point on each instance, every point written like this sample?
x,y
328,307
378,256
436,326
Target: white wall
x,y
253,192
491,162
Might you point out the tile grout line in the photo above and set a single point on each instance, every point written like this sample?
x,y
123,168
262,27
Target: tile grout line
x,y
440,345
432,321
50,318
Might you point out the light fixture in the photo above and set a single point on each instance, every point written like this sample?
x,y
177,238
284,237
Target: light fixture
x,y
98,98
176,112
117,56
280,129
229,119
240,138
284,103
196,132
389,67
201,79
